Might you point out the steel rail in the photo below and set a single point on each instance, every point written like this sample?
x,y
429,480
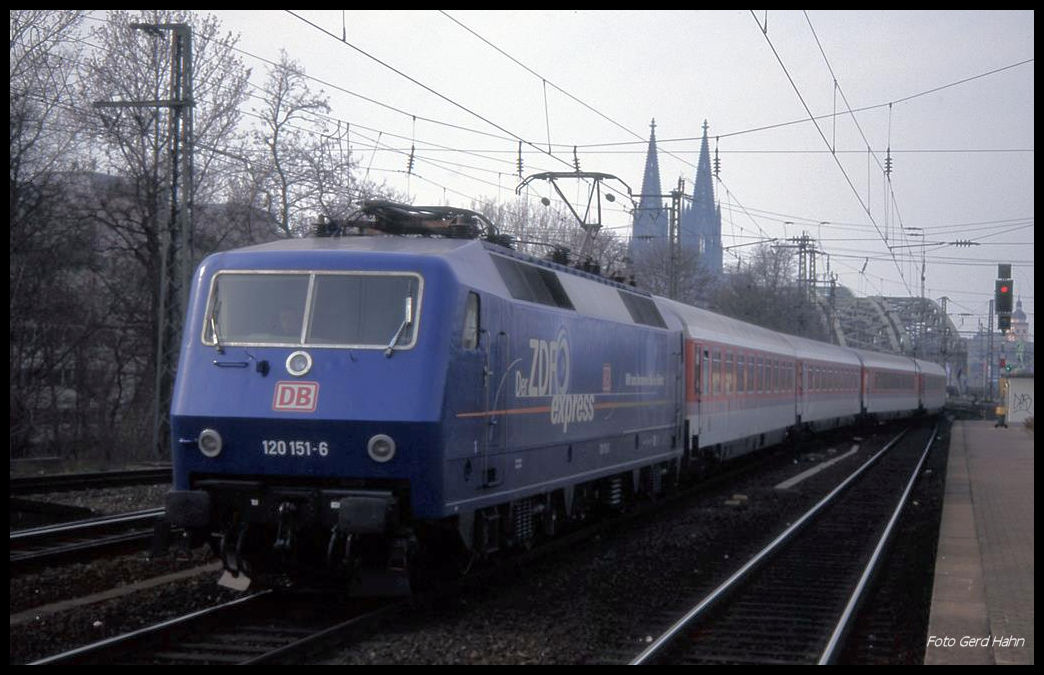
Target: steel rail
x,y
141,632
742,573
91,523
77,481
829,652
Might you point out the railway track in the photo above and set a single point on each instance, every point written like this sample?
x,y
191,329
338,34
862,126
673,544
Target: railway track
x,y
260,641
212,638
28,485
81,540
263,627
793,602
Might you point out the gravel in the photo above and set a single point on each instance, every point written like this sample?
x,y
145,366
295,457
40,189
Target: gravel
x,y
604,602
53,630
601,603
108,501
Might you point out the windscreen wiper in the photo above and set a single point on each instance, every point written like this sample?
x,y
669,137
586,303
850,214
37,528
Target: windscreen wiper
x,y
214,329
406,322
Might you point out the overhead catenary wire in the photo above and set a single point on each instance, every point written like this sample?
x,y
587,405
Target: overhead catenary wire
x,y
443,123
420,84
470,170
840,166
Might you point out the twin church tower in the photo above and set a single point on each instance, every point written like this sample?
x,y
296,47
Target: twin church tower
x,y
699,227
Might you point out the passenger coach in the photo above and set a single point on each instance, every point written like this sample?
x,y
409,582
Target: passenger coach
x,y
740,384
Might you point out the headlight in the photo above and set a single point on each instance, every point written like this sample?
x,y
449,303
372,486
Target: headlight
x,y
381,448
209,442
298,363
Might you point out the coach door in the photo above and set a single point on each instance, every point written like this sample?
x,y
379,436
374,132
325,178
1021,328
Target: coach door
x,y
799,385
496,395
709,393
694,387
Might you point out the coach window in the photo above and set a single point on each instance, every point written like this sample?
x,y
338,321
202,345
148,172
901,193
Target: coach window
x,y
471,322
730,375
716,372
705,374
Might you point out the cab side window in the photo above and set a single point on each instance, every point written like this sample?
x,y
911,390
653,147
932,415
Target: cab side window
x,y
470,337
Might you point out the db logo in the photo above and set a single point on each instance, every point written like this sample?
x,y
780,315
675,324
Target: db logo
x,y
296,396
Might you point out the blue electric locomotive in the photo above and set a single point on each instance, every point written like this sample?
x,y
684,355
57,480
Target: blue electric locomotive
x,y
346,402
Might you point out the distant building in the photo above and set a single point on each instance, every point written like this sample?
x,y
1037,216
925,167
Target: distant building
x,y
650,218
1014,347
1019,324
1018,344
699,228
701,221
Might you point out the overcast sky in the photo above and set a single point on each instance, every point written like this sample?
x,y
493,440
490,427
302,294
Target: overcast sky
x,y
464,87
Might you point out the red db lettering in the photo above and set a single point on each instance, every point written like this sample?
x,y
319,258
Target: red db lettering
x,y
296,396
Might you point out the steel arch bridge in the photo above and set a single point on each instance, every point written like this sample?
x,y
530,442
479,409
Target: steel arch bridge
x,y
915,327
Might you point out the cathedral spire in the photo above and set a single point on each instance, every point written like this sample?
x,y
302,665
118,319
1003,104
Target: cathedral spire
x,y
650,219
701,223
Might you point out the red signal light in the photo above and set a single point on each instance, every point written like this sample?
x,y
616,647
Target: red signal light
x,y
1002,296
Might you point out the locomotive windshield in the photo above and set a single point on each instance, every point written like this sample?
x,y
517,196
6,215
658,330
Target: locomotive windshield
x,y
363,310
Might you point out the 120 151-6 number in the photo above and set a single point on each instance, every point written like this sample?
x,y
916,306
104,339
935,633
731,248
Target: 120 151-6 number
x,y
282,448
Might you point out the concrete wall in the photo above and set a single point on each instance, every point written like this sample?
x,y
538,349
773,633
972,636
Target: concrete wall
x,y
1020,399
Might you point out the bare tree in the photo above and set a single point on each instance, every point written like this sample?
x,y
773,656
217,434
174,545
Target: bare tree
x,y
765,292
299,165
46,322
655,265
128,210
547,232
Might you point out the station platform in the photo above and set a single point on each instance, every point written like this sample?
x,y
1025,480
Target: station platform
x,y
982,599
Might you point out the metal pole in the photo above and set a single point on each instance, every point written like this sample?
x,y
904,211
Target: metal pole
x,y
176,238
673,237
989,358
